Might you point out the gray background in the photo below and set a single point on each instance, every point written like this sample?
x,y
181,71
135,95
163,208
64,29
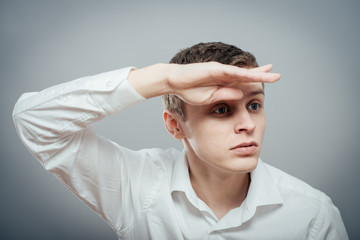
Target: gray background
x,y
313,112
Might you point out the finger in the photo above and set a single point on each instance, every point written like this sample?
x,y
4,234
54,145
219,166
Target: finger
x,y
226,94
264,68
263,77
229,76
232,73
251,76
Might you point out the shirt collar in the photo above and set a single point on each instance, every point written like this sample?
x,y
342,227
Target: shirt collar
x,y
181,183
180,175
181,179
262,191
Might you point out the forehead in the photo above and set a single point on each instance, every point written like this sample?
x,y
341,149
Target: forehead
x,y
249,91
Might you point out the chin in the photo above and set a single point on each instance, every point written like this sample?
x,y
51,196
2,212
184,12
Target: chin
x,y
243,165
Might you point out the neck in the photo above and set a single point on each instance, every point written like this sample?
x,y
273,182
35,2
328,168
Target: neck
x,y
220,190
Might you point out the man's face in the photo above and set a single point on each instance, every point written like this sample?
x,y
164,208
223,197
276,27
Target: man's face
x,y
227,135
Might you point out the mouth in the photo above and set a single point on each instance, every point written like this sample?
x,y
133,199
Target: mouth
x,y
247,148
245,145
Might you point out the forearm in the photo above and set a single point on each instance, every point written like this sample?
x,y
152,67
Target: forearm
x,y
45,119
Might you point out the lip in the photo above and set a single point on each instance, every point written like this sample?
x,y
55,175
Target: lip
x,y
247,148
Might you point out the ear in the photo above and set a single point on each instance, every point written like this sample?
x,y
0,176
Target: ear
x,y
172,124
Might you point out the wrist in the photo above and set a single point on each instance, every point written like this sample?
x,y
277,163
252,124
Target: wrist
x,y
151,81
163,72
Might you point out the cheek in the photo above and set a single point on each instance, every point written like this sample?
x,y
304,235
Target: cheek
x,y
260,126
208,139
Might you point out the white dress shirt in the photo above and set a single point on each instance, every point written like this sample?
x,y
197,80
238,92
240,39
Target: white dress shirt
x,y
147,194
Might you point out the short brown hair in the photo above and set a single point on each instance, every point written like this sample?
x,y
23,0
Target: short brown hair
x,y
207,52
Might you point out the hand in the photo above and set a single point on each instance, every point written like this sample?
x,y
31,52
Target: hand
x,y
198,83
205,83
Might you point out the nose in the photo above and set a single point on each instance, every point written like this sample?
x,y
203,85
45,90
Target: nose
x,y
244,123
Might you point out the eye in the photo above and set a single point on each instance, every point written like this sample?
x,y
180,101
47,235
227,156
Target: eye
x,y
221,110
254,106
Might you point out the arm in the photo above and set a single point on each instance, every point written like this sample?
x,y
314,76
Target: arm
x,y
59,112
54,125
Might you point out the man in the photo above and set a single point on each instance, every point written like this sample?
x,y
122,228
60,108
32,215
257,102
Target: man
x,y
217,188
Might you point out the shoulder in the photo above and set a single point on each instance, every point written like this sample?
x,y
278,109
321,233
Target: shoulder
x,y
309,206
160,160
299,198
136,156
136,164
160,156
290,185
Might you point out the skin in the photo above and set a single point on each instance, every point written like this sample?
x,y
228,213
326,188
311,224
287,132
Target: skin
x,y
223,108
212,131
219,171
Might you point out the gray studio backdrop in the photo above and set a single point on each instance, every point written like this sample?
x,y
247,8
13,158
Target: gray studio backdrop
x,y
312,113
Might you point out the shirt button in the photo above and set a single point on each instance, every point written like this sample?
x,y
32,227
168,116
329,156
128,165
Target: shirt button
x,y
212,236
64,99
43,156
109,83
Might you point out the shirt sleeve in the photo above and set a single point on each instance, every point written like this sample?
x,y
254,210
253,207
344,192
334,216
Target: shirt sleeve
x,y
55,126
329,224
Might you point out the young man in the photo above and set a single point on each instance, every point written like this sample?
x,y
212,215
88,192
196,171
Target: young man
x,y
217,188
